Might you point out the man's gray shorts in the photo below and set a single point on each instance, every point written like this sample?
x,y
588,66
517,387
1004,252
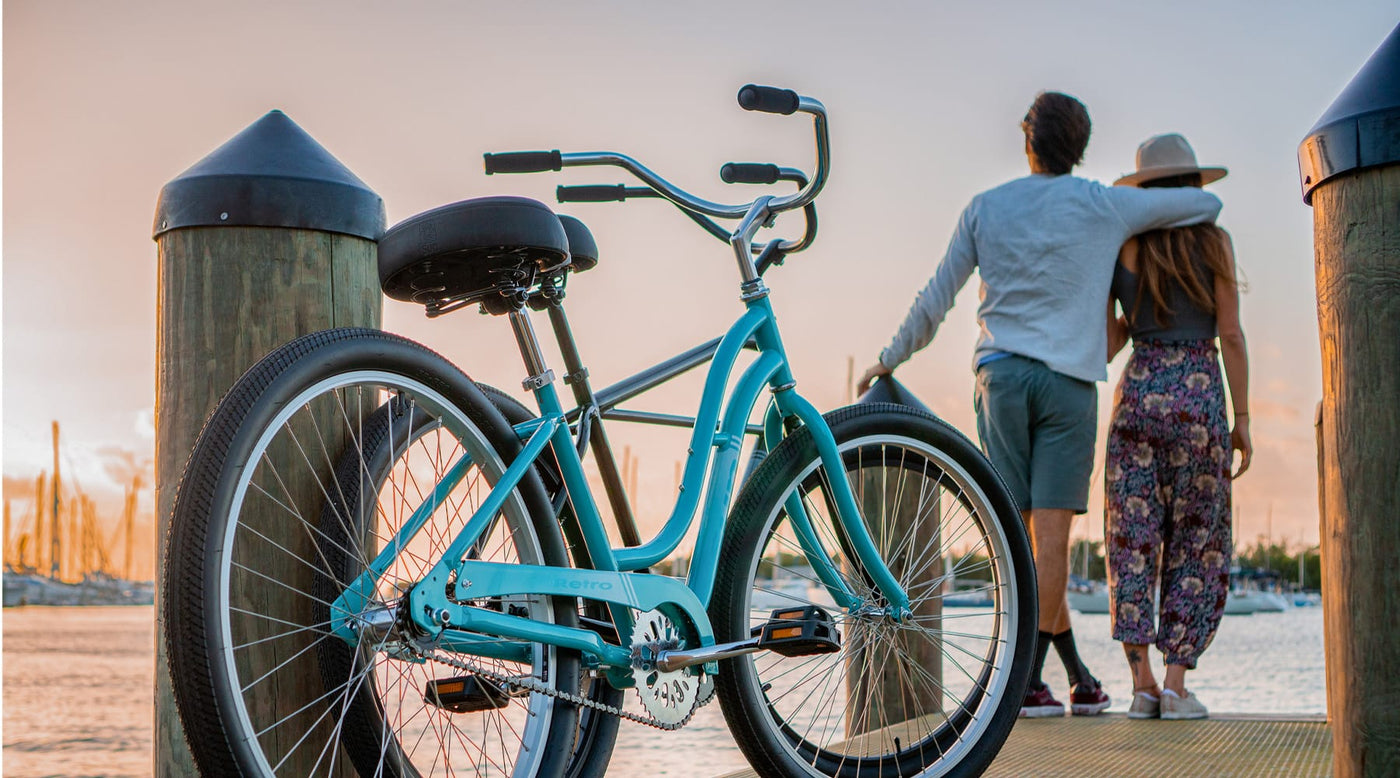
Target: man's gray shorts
x,y
1038,427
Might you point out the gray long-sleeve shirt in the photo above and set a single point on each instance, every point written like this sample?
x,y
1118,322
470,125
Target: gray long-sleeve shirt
x,y
1045,248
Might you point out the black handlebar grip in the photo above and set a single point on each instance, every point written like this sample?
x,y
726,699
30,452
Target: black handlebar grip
x,y
769,99
748,173
523,162
591,194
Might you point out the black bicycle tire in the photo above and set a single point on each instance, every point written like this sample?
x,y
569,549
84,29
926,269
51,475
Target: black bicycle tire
x,y
744,707
191,587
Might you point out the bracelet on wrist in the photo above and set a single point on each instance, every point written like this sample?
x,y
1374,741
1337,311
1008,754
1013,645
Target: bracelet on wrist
x,y
1241,413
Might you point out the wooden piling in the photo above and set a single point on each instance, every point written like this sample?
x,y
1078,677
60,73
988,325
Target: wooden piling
x,y
266,239
1350,167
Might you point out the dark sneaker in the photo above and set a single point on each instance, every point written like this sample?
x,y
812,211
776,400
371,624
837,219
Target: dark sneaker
x,y
1039,704
1088,699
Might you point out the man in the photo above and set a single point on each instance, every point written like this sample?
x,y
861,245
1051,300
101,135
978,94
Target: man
x,y
1044,246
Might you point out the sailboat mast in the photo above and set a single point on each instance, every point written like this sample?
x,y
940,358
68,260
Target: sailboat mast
x,y
129,520
74,539
38,521
55,548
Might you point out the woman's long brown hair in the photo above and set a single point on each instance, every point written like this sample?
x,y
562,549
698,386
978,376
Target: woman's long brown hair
x,y
1172,256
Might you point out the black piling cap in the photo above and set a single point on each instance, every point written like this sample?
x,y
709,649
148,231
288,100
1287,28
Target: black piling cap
x,y
272,174
1362,128
887,390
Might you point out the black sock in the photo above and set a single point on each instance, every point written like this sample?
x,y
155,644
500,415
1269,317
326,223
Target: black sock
x,y
1069,655
1042,647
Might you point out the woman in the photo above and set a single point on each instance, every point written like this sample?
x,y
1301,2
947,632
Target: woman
x,y
1167,472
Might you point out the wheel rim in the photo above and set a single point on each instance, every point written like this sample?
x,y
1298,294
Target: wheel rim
x,y
266,640
921,693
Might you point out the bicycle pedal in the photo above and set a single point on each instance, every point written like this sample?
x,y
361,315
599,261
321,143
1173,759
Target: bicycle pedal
x,y
799,632
465,694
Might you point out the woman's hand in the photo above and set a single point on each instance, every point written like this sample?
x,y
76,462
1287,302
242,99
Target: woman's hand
x,y
878,371
1239,441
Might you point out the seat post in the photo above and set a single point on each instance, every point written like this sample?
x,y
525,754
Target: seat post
x,y
539,375
577,379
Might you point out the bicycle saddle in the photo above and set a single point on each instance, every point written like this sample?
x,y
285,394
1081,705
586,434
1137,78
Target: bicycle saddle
x,y
582,248
472,251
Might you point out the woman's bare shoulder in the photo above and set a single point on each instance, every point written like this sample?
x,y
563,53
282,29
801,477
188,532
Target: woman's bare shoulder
x,y
1128,254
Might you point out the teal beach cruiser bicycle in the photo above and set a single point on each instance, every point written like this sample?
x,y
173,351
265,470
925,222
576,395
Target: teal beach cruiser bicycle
x,y
378,567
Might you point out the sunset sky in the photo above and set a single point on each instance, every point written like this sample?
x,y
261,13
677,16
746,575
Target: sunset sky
x,y
104,102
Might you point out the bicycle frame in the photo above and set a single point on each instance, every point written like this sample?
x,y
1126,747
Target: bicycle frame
x,y
612,580
719,429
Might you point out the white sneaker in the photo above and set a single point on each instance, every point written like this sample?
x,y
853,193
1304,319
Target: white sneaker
x,y
1145,706
1175,707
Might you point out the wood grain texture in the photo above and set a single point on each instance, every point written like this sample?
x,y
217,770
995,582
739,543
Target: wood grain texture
x,y
226,297
1357,242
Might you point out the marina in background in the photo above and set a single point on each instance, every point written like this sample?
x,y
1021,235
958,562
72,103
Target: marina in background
x,y
63,553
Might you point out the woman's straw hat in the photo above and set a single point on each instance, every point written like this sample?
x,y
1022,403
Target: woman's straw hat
x,y
1167,155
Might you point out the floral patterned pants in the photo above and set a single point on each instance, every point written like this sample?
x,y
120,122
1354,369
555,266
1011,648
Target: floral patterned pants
x,y
1167,478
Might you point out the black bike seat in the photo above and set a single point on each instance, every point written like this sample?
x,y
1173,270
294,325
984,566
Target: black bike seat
x,y
582,248
467,251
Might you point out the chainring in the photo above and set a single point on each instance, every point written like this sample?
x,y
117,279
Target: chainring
x,y
670,697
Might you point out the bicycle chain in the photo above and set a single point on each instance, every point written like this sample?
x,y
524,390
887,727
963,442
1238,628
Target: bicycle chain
x,y
531,685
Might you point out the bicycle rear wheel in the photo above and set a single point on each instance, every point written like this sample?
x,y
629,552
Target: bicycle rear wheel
x,y
933,695
265,533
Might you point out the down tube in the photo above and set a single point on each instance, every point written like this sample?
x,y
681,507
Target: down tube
x,y
729,443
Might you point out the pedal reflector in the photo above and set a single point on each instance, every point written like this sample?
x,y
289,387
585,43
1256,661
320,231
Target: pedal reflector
x,y
465,694
800,632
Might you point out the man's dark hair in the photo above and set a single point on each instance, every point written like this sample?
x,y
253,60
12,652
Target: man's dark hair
x,y
1057,129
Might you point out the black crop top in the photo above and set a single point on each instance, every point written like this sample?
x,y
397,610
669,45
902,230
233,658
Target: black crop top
x,y
1186,322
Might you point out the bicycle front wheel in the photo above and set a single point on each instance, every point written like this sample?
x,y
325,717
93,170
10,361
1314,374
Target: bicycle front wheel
x,y
309,468
931,695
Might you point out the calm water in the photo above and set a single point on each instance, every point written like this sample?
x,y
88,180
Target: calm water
x,y
78,700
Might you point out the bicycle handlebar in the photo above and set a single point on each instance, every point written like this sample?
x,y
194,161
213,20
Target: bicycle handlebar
x,y
748,173
768,99
522,162
753,215
591,194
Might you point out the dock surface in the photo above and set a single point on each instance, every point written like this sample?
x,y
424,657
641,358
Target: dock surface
x,y
1114,746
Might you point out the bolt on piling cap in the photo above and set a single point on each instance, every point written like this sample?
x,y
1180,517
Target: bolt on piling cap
x,y
1362,127
272,174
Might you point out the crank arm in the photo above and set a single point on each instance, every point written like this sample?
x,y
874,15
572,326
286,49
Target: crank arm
x,y
669,661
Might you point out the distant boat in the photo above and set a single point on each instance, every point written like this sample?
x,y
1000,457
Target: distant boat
x,y
1255,601
1091,601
